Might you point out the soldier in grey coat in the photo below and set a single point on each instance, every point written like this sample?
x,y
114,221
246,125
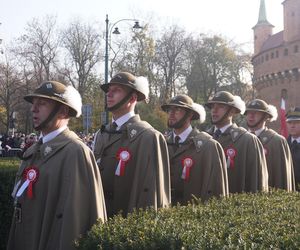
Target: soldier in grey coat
x,y
246,162
58,193
132,156
198,166
277,152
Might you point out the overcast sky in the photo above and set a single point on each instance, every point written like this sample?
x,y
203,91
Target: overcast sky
x,y
232,18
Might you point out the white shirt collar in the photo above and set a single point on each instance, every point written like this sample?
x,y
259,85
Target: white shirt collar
x,y
258,131
295,139
123,119
53,134
223,129
184,134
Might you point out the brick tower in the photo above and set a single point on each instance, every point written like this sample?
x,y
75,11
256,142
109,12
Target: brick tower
x,y
276,59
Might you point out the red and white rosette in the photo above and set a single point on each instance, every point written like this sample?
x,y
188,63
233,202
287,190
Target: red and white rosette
x,y
230,154
123,155
187,164
30,175
265,151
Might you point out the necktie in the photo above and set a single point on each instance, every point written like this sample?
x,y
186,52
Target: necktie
x,y
217,134
177,139
113,127
294,144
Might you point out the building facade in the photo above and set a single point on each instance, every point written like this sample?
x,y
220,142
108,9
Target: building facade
x,y
276,59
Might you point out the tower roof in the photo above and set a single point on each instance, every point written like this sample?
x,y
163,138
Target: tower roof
x,y
262,16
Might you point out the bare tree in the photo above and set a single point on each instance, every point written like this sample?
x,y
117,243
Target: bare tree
x,y
82,43
170,59
38,47
10,92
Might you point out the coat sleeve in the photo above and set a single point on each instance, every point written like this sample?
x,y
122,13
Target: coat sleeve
x,y
84,199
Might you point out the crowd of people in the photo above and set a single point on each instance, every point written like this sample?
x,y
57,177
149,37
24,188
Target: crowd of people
x,y
64,186
14,145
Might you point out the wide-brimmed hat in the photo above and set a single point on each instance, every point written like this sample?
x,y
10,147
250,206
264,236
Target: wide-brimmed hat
x,y
262,106
139,84
186,102
225,97
61,93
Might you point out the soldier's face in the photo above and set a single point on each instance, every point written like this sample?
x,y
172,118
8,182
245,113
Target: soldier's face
x,y
254,119
175,114
41,109
218,111
294,128
115,94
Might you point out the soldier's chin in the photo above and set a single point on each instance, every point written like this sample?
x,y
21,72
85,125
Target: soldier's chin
x,y
173,125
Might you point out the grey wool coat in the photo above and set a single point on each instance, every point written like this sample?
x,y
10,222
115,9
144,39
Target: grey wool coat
x,y
67,195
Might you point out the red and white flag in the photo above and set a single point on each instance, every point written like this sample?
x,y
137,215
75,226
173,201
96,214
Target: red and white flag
x,y
283,127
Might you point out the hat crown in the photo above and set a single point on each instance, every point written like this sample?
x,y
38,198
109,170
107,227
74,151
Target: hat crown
x,y
51,89
258,105
222,96
139,84
293,114
182,100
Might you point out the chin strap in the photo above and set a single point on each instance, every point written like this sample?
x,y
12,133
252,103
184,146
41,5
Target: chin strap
x,y
181,122
49,118
253,126
119,104
223,117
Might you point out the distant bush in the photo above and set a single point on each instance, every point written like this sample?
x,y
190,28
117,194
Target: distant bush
x,y
8,169
244,221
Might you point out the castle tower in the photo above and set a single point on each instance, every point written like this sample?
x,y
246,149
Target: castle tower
x,y
291,12
263,29
276,59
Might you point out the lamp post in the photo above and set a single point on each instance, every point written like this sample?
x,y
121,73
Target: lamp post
x,y
108,31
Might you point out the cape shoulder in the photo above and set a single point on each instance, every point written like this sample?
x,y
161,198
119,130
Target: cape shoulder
x,y
236,132
200,139
135,129
269,134
49,148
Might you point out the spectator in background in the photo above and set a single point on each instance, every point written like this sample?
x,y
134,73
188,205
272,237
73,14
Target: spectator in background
x,y
293,125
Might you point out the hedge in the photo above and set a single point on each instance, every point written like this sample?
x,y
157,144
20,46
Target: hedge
x,y
242,221
8,169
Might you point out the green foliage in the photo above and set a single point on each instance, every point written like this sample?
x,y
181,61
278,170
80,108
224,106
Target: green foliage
x,y
154,115
244,221
8,169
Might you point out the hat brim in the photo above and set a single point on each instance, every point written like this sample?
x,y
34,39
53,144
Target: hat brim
x,y
29,98
209,104
258,110
165,108
140,95
293,119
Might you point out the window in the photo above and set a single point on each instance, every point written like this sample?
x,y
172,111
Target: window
x,y
286,52
277,54
296,49
272,55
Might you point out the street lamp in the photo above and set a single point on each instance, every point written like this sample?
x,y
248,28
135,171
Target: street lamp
x,y
108,31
